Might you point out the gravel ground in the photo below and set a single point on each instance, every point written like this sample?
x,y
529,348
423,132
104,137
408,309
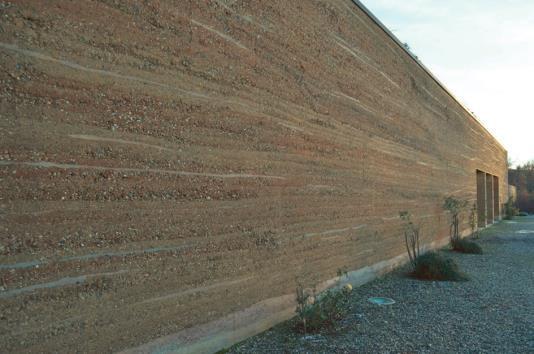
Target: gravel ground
x,y
493,312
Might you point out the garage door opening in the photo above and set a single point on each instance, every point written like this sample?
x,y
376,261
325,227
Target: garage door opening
x,y
496,199
489,199
481,198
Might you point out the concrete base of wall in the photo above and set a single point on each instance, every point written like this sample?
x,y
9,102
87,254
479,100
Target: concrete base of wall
x,y
229,330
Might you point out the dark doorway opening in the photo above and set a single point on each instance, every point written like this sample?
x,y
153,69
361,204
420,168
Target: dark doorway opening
x,y
489,199
481,198
496,199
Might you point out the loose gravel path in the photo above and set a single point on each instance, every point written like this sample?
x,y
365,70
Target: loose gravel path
x,y
493,312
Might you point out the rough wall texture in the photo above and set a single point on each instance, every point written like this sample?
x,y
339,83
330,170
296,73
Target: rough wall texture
x,y
165,164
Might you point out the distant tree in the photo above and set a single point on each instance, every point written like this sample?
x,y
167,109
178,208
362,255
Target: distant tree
x,y
529,165
523,178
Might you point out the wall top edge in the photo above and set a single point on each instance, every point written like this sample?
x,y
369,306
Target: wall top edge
x,y
368,12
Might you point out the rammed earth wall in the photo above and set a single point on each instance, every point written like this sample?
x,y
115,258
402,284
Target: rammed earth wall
x,y
169,170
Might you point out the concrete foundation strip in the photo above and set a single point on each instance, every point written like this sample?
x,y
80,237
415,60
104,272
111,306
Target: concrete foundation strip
x,y
233,328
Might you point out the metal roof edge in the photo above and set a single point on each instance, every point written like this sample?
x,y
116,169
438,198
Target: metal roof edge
x,y
422,66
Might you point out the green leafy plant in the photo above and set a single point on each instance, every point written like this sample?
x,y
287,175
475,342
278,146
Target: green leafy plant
x,y
320,312
342,272
454,207
433,266
411,237
522,213
466,246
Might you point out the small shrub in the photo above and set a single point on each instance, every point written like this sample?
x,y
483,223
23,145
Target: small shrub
x,y
455,207
473,221
322,312
342,272
522,213
433,266
510,210
411,237
466,246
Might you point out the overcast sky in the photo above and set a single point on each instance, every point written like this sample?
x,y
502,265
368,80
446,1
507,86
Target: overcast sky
x,y
483,51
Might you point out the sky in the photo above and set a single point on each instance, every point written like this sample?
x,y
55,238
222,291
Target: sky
x,y
483,51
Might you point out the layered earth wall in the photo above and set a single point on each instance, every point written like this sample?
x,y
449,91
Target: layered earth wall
x,y
172,169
